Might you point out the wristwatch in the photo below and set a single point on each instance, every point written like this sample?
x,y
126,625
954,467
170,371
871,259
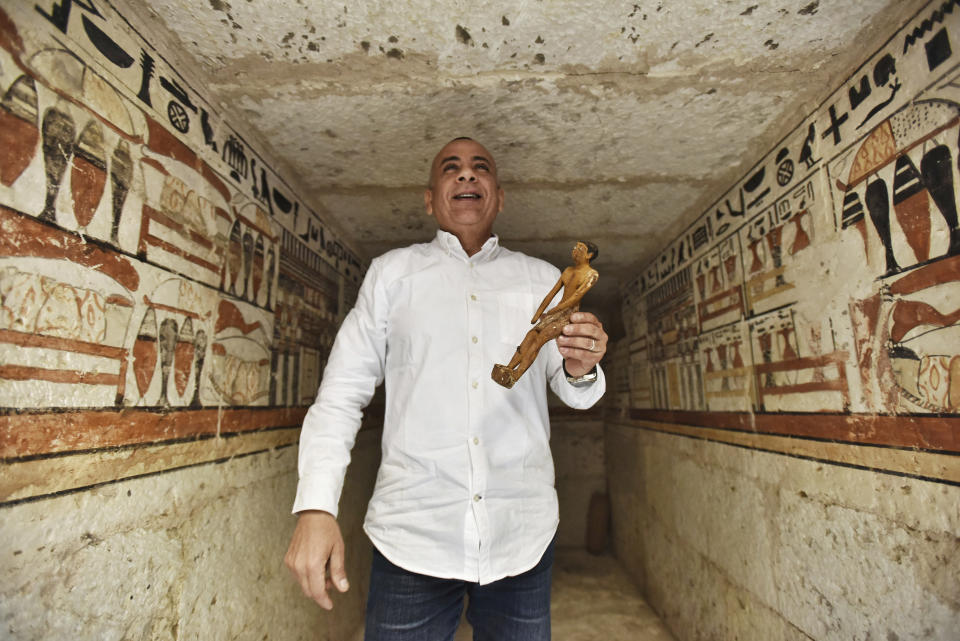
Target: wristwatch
x,y
580,381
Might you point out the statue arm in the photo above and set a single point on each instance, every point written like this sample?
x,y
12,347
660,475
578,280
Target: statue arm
x,y
547,299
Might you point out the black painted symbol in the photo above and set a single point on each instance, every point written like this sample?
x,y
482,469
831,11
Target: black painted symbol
x,y
208,139
785,172
754,183
178,117
835,123
146,66
283,203
60,12
701,237
733,213
806,152
268,276
235,155
254,188
106,45
274,373
248,265
178,92
168,346
121,173
937,17
264,193
938,49
57,132
852,210
861,93
884,74
878,204
200,350
935,167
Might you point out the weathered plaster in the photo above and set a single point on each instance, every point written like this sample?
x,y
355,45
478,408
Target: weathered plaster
x,y
567,94
577,446
191,554
738,543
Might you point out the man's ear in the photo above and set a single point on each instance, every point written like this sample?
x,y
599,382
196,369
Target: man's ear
x,y
428,201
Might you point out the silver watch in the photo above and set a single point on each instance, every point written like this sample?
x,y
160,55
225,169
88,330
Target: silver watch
x,y
580,381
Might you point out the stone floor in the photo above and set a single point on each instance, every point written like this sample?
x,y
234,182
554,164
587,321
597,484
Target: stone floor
x,y
594,600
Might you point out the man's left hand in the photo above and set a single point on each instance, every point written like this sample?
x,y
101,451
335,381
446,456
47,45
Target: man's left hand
x,y
583,343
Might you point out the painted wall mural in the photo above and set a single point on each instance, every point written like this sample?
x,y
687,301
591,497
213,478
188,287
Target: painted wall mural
x,y
827,282
153,267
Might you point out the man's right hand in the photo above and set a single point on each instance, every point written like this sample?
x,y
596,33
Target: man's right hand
x,y
317,543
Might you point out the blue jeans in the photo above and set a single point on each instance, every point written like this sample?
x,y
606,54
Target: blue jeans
x,y
404,606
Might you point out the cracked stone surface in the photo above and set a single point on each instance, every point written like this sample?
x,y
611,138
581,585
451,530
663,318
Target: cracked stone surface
x,y
617,121
731,543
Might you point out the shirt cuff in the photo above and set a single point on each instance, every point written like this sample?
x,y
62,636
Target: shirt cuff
x,y
315,493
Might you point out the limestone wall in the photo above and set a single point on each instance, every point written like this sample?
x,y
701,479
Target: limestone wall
x,y
785,464
167,301
577,442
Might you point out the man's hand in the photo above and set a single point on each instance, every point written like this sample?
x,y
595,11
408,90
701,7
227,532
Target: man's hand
x,y
583,343
316,543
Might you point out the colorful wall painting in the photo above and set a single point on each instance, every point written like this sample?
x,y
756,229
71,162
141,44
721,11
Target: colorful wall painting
x,y
826,282
153,266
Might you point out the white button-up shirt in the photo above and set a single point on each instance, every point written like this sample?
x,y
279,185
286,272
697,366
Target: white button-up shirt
x,y
465,486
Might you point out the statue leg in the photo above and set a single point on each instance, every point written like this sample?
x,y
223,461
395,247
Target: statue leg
x,y
527,351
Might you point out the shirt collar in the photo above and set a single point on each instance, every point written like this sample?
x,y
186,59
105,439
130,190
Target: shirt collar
x,y
450,245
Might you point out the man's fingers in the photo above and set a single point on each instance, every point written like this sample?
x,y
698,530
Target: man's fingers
x,y
583,336
316,540
317,586
584,317
337,570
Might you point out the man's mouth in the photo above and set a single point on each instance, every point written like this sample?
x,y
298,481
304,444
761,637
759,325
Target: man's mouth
x,y
467,197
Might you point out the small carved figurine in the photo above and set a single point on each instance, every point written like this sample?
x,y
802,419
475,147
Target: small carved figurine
x,y
575,280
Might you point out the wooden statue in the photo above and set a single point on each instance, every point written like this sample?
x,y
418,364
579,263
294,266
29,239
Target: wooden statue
x,y
575,280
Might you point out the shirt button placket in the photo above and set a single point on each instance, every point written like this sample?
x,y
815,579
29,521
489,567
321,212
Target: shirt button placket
x,y
476,365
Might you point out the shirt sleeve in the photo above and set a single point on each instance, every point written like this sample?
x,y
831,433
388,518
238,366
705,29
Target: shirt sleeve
x,y
579,397
354,369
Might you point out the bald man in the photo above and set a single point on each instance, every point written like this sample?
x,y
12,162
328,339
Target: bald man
x,y
464,503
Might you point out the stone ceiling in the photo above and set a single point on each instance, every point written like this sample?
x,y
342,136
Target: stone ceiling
x,y
618,122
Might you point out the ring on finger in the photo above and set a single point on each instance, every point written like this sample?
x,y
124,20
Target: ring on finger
x,y
593,347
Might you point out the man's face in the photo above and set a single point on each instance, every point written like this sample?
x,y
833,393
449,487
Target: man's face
x,y
464,193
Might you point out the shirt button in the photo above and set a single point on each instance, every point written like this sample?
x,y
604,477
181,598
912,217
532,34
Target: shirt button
x,y
476,498
474,339
475,384
476,441
473,297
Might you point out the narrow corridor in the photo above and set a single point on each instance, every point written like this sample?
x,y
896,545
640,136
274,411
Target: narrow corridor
x,y
593,600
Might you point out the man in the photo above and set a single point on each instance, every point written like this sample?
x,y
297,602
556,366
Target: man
x,y
464,502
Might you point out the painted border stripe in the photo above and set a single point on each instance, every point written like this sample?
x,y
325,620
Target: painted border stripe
x,y
25,435
933,432
23,339
23,480
24,373
928,465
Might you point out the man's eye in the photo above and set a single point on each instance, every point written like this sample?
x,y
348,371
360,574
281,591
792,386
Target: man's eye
x,y
450,167
483,167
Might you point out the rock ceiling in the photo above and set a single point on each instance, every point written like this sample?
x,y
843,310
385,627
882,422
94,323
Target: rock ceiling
x,y
617,122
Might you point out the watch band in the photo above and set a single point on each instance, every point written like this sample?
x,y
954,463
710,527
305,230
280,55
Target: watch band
x,y
580,381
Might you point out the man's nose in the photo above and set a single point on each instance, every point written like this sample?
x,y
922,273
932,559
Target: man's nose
x,y
467,175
